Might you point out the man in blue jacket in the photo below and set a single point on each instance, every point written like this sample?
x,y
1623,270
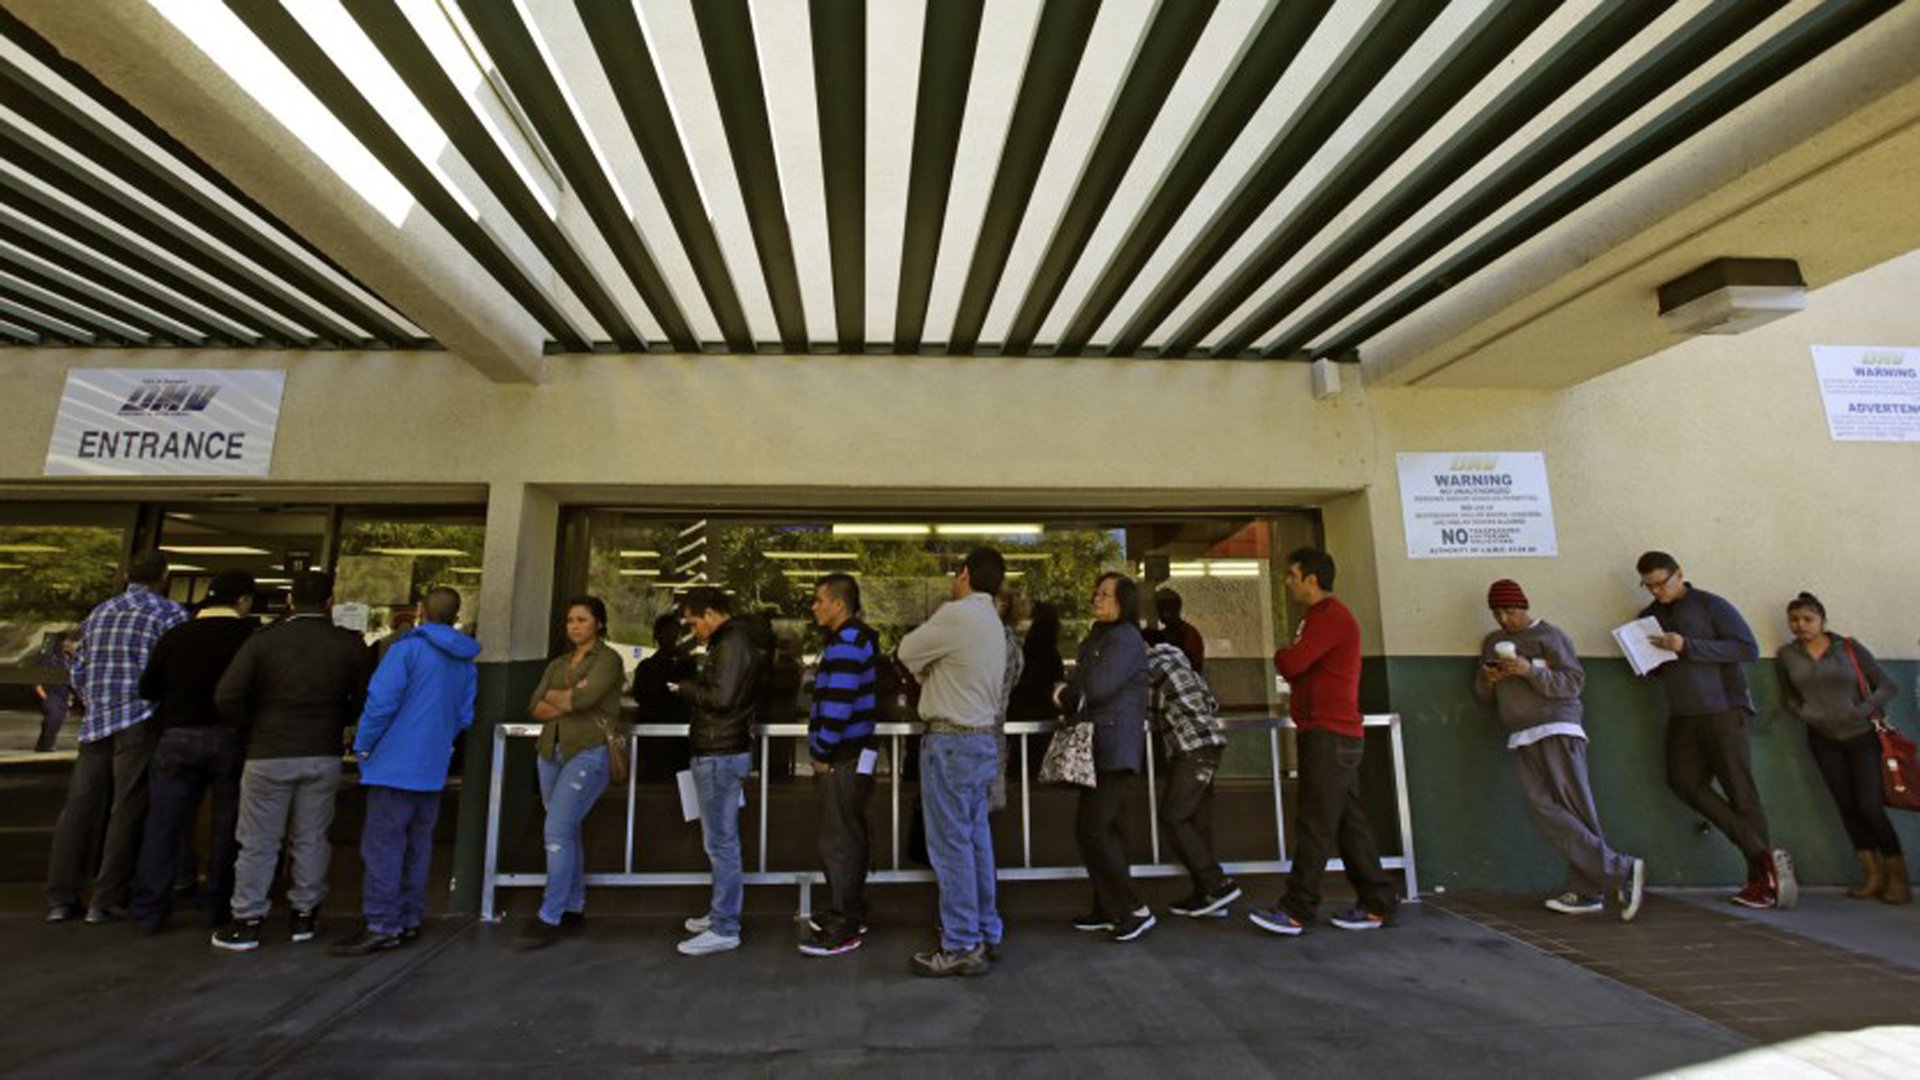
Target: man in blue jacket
x,y
421,698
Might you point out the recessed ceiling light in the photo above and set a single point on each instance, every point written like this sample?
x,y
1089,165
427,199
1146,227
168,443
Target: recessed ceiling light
x,y
882,530
988,530
30,549
213,549
639,554
435,553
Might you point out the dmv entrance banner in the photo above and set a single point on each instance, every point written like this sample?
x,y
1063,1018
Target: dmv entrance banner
x,y
143,422
1872,393
1475,506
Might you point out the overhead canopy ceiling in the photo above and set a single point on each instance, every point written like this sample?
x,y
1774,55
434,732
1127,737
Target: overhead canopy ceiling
x,y
1187,178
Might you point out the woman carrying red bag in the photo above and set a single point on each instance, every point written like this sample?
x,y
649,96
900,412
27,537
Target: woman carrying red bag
x,y
1835,685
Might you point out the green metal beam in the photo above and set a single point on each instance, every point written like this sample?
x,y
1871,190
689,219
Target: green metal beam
x,y
947,46
839,32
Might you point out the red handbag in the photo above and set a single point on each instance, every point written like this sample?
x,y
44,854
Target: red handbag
x,y
1899,757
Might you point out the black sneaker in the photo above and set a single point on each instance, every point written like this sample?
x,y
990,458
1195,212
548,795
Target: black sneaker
x,y
306,925
993,950
1359,918
536,933
410,934
105,913
1277,920
1093,922
941,964
365,943
573,921
240,935
834,941
1134,926
1209,905
64,913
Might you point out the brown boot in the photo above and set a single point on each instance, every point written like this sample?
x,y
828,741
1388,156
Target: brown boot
x,y
1876,882
1898,891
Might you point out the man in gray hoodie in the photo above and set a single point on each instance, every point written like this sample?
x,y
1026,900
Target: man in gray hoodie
x,y
1530,671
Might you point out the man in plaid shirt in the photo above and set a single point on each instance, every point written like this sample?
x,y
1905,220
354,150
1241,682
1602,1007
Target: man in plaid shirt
x,y
1182,708
110,776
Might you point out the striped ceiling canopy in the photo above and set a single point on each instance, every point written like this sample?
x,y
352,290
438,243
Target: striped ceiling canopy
x,y
1182,178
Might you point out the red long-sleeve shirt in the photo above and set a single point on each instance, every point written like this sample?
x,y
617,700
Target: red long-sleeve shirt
x,y
1323,668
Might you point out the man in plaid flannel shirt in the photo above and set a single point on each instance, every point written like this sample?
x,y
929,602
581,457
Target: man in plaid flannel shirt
x,y
110,775
1182,708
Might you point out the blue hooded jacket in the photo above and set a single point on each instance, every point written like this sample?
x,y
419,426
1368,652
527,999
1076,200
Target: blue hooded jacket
x,y
421,697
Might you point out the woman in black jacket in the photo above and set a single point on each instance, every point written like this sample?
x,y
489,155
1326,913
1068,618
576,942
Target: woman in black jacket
x,y
1109,690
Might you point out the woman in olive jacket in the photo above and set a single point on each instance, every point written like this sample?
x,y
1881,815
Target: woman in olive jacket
x,y
578,702
1835,685
1109,690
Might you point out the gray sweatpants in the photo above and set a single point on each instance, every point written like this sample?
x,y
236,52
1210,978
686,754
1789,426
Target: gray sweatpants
x,y
290,798
1553,773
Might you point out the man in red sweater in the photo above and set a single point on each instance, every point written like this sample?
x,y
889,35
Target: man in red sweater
x,y
1323,668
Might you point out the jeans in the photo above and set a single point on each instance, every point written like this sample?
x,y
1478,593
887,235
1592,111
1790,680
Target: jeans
x,y
105,811
718,778
1703,749
1103,847
844,846
396,847
289,798
955,774
568,789
1187,812
53,715
1330,818
1851,768
188,762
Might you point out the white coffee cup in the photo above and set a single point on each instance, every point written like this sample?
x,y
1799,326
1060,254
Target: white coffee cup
x,y
1505,650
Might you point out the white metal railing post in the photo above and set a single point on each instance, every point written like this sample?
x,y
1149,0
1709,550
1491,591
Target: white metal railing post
x,y
1406,808
495,783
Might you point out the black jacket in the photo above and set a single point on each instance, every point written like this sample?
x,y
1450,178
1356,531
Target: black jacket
x,y
1112,682
186,664
725,693
295,687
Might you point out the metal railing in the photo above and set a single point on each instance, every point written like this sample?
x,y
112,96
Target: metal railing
x,y
896,733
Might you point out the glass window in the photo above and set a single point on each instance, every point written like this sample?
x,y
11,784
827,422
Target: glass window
x,y
56,563
391,556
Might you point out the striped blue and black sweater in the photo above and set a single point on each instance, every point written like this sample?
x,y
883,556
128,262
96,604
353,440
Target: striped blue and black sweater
x,y
844,709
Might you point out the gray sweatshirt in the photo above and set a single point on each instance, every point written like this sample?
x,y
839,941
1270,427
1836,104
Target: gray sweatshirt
x,y
1547,694
1826,692
960,657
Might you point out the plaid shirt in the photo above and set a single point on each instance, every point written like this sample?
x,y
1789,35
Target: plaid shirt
x,y
1182,707
114,643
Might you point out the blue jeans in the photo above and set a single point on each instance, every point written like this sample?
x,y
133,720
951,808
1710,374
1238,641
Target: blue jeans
x,y
956,772
396,846
187,762
718,779
568,789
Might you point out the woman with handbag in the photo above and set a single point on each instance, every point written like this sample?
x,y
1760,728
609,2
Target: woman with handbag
x,y
1109,692
580,747
1835,685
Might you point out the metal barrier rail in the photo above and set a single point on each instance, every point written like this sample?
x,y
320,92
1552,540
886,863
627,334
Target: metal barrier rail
x,y
896,734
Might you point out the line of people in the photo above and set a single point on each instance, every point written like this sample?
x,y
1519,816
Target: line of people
x,y
214,706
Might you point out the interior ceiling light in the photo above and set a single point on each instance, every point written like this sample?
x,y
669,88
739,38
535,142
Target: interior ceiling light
x,y
881,530
988,530
30,549
465,570
188,568
639,573
273,581
639,554
225,40
433,553
1730,296
213,549
815,573
1025,556
13,566
804,554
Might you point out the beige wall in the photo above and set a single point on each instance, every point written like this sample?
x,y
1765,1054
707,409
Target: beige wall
x,y
1715,450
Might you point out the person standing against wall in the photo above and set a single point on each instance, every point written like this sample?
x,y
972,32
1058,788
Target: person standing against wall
x,y
840,742
107,791
725,696
1530,670
1323,668
292,691
1708,713
1839,690
194,753
420,700
959,656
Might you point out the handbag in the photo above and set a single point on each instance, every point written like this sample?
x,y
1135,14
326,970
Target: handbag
x,y
1069,757
619,757
1899,757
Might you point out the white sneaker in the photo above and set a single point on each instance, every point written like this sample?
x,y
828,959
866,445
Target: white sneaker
x,y
1572,903
707,942
698,924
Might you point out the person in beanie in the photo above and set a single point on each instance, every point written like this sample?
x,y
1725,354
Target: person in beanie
x,y
420,700
195,753
1529,669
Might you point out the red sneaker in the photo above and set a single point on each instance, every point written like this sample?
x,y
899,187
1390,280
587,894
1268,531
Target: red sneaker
x,y
1756,894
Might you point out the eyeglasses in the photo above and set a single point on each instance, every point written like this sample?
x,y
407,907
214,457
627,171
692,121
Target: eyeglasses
x,y
1656,586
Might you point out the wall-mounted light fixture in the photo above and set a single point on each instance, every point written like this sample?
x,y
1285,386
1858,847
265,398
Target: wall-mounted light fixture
x,y
1731,296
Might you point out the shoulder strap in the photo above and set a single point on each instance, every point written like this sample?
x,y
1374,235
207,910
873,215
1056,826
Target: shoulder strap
x,y
1859,676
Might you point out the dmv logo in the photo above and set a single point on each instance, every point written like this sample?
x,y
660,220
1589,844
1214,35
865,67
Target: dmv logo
x,y
165,398
1473,464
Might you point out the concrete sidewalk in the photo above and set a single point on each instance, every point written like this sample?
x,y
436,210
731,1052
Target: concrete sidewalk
x,y
1435,996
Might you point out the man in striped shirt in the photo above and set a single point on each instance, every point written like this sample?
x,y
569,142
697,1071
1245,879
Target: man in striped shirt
x,y
109,778
839,735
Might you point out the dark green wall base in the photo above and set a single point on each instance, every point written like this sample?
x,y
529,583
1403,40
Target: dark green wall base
x,y
1470,825
504,691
